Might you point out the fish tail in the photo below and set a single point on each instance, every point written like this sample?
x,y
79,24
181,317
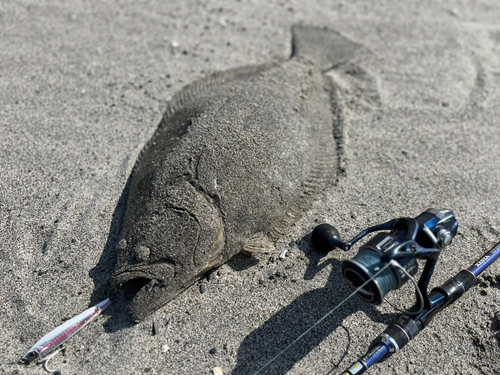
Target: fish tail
x,y
328,48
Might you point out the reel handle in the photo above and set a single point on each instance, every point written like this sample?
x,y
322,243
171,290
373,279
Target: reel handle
x,y
325,238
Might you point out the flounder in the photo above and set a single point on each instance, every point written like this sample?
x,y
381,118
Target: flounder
x,y
236,159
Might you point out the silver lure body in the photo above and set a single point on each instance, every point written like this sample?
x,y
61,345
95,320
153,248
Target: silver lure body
x,y
61,334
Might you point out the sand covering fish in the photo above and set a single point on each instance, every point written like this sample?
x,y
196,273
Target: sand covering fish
x,y
236,159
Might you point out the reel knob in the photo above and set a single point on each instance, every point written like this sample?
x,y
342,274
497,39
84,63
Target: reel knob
x,y
322,236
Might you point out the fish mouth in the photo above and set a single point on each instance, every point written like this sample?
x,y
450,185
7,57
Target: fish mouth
x,y
132,285
137,276
140,290
132,282
146,290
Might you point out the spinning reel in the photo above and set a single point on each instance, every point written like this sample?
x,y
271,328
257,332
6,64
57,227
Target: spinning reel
x,y
387,261
395,253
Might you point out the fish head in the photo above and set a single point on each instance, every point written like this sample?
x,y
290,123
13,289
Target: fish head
x,y
170,237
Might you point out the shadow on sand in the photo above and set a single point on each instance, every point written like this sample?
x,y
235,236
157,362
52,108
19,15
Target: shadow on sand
x,y
288,324
102,272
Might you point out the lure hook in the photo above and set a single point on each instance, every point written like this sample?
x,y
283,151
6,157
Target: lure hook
x,y
49,357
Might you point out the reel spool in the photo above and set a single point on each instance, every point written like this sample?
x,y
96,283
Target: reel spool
x,y
409,239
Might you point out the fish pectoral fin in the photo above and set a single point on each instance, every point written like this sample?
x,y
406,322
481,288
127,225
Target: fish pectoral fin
x,y
258,244
328,48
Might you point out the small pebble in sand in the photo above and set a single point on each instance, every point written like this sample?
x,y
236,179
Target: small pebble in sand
x,y
175,44
164,348
213,351
283,254
203,288
156,327
217,371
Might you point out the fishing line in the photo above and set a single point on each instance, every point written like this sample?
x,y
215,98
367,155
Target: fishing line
x,y
417,292
323,318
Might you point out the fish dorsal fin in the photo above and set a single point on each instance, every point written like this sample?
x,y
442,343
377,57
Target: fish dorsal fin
x,y
328,48
207,86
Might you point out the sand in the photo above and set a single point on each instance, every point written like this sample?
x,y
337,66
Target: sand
x,y
84,84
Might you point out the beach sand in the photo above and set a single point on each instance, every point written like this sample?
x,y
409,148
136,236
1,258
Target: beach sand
x,y
83,85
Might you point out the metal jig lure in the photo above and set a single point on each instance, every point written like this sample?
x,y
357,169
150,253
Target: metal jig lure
x,y
45,348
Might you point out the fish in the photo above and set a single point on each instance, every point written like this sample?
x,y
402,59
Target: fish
x,y
41,350
237,158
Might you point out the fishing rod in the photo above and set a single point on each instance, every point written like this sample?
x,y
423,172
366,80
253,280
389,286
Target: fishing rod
x,y
395,254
